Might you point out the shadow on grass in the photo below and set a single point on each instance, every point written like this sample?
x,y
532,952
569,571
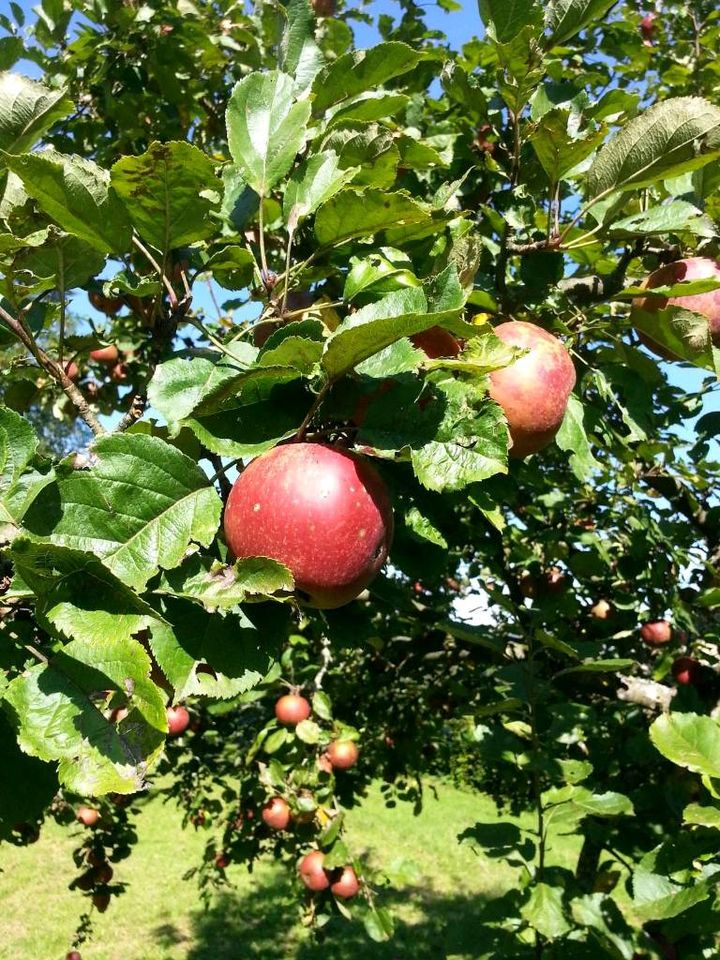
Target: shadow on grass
x,y
262,925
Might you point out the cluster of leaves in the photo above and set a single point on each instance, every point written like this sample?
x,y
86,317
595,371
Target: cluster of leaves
x,y
335,209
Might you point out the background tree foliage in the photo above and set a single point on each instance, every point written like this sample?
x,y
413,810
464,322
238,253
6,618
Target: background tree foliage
x,y
325,204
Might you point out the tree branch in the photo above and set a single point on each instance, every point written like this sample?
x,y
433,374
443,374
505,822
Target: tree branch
x,y
55,371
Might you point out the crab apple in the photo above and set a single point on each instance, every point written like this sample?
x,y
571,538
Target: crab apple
x,y
534,390
707,304
312,872
276,813
343,754
108,305
346,886
178,719
436,342
323,512
88,816
656,632
105,354
291,709
686,670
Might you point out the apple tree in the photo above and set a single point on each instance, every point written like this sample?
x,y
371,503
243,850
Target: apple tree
x,y
355,425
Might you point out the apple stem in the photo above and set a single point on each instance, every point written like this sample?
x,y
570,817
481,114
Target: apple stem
x,y
302,429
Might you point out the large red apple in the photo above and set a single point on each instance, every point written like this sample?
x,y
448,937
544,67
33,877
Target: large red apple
x,y
436,342
346,886
276,813
312,872
88,816
707,304
291,709
343,754
105,354
534,390
178,719
686,670
656,632
323,512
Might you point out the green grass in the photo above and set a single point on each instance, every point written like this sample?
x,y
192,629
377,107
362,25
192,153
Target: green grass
x,y
160,917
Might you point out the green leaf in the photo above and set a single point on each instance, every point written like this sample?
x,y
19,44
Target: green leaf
x,y
53,707
62,262
76,595
379,924
599,666
564,19
505,19
690,741
308,731
300,55
352,214
321,705
677,216
76,193
27,110
678,332
218,655
702,816
572,437
670,138
423,529
138,509
266,128
314,182
544,911
169,192
360,70
219,586
399,314
560,146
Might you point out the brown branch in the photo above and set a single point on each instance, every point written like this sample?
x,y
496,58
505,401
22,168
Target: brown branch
x,y
225,485
536,246
137,409
55,370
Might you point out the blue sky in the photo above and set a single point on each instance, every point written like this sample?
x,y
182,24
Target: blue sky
x,y
460,26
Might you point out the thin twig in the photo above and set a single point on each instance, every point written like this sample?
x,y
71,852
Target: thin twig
x,y
225,485
135,413
326,655
172,296
287,273
55,370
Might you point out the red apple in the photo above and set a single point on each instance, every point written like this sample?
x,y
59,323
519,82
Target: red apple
x,y
105,354
73,955
656,632
343,754
534,390
346,886
72,371
87,816
686,670
647,28
118,374
323,512
108,305
707,304
276,813
312,873
324,8
291,709
555,581
436,342
222,861
178,719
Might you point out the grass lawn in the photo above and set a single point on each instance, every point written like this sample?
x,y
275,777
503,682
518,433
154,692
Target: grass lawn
x,y
160,917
